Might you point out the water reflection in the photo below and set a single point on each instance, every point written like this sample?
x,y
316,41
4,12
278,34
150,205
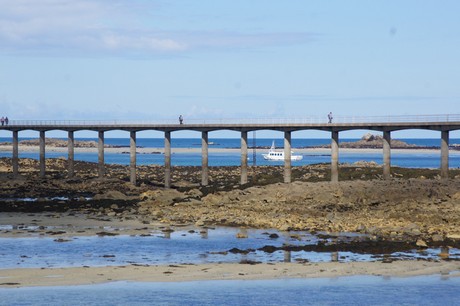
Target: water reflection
x,y
335,256
287,254
204,233
444,254
206,245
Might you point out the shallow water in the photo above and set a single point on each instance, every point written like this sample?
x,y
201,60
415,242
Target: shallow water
x,y
359,290
406,159
211,246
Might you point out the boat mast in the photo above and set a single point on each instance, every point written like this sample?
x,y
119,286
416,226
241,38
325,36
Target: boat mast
x,y
254,155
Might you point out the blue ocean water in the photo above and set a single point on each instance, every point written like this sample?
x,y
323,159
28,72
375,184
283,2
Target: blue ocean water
x,y
357,290
406,159
236,142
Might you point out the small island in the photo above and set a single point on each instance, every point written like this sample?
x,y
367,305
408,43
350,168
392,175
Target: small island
x,y
371,141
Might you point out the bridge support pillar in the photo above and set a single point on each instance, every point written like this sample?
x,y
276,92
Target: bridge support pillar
x,y
386,155
445,155
167,159
287,157
132,157
204,159
335,157
100,147
244,157
71,153
15,154
42,154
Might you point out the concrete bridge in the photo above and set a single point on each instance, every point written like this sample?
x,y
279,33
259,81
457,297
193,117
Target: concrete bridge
x,y
388,124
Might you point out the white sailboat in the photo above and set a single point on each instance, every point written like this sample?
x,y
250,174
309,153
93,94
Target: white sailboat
x,y
273,154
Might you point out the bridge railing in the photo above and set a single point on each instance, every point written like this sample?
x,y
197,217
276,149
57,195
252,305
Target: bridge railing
x,y
249,121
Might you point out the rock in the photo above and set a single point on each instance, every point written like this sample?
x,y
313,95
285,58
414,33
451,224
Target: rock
x,y
185,184
101,234
422,244
368,137
453,236
111,195
199,223
157,214
366,164
456,196
437,238
194,193
285,228
241,235
165,196
62,240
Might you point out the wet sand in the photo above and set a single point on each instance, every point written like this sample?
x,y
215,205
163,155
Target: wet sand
x,y
66,225
181,273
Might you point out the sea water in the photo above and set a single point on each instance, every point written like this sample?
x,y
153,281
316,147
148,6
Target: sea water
x,y
357,290
410,159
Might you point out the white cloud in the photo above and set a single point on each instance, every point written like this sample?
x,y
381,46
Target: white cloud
x,y
83,27
50,26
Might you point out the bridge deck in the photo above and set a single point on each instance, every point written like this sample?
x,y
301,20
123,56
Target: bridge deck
x,y
391,123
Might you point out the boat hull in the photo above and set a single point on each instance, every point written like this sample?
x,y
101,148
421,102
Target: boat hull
x,y
281,158
279,155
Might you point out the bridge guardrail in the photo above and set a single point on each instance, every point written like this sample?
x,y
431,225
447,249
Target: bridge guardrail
x,y
263,121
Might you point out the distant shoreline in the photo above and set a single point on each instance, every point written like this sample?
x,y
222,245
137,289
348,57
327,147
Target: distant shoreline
x,y
143,150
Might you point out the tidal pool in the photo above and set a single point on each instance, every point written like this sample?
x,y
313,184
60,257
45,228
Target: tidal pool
x,y
213,245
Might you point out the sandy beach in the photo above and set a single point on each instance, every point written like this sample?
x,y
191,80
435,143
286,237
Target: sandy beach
x,y
180,273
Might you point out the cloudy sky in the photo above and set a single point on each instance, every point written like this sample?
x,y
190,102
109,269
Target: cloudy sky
x,y
156,59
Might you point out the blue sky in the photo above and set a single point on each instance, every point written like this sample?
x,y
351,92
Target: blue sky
x,y
153,60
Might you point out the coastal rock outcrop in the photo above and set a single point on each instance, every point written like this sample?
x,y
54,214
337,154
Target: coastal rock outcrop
x,y
393,209
405,208
371,141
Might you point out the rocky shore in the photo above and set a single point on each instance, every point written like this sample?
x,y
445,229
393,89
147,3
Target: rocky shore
x,y
415,210
415,206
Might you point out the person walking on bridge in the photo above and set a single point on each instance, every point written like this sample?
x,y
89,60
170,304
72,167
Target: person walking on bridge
x,y
181,119
329,117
